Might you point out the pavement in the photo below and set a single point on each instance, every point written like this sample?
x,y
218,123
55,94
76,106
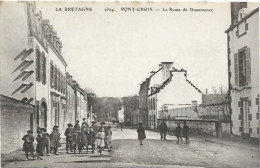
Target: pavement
x,y
127,152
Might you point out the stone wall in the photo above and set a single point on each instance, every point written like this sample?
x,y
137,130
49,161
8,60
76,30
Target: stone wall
x,y
15,121
201,127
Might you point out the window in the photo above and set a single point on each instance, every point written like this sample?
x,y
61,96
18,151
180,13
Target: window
x,y
51,75
246,26
43,68
242,67
38,68
241,16
58,80
55,77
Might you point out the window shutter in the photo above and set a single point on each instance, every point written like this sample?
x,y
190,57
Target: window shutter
x,y
37,65
236,68
249,102
55,77
44,69
51,74
248,66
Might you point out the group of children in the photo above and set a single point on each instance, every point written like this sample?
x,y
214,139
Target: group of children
x,y
77,138
46,143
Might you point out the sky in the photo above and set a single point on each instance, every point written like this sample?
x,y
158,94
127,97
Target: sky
x,y
113,52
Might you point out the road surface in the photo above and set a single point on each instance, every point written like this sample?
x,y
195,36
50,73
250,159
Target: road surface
x,y
127,152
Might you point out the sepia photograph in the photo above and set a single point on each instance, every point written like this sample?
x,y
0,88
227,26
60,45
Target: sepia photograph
x,y
136,84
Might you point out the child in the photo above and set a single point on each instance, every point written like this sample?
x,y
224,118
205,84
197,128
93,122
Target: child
x,y
178,132
55,140
46,141
100,140
40,144
76,136
185,132
90,139
82,139
108,138
69,133
141,133
28,144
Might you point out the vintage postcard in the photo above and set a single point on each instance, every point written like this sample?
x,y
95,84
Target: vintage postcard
x,y
129,84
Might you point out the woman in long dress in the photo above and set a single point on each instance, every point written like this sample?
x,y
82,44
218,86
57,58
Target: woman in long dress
x,y
141,133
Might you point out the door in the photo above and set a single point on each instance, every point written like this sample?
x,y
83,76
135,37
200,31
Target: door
x,y
245,116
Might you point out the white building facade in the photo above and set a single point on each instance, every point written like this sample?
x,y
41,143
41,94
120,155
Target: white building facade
x,y
171,90
243,58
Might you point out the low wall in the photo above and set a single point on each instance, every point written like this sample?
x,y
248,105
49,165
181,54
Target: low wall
x,y
201,127
15,121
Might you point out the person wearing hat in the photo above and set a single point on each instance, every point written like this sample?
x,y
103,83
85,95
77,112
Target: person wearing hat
x,y
82,139
28,144
163,128
40,143
85,122
46,141
69,133
178,133
77,126
90,138
76,136
55,140
141,133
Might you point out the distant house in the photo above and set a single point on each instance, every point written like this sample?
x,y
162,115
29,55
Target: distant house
x,y
243,67
77,104
168,88
131,109
120,114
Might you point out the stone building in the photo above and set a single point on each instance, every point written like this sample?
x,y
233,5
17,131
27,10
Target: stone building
x,y
243,67
77,104
33,68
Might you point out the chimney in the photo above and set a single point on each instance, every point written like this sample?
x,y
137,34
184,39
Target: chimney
x,y
167,67
194,106
235,7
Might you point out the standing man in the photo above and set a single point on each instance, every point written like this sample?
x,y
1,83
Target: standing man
x,y
85,122
121,125
163,129
69,133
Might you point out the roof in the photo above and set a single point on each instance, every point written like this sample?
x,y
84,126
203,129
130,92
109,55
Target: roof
x,y
168,80
145,84
246,10
157,90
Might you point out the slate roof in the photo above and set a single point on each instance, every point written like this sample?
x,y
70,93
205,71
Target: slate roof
x,y
246,17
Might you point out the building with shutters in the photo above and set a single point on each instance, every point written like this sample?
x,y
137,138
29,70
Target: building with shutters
x,y
77,103
33,70
243,67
